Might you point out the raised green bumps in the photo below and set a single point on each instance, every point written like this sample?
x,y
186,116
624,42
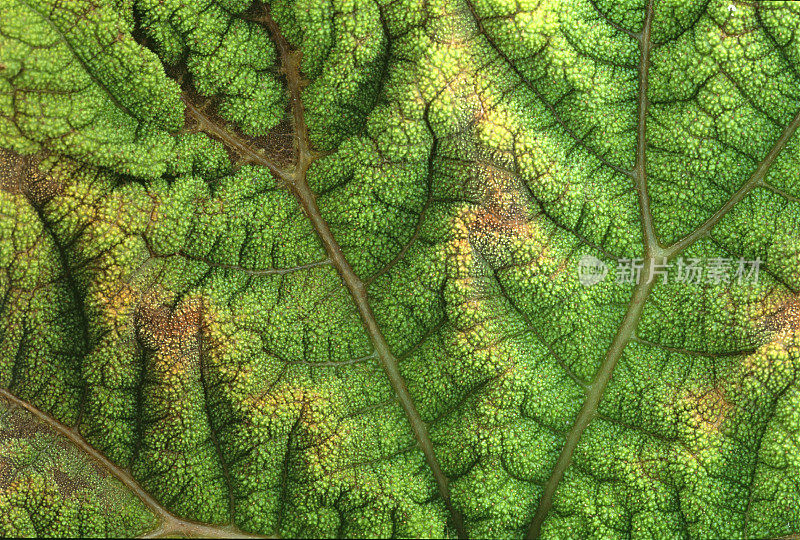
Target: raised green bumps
x,y
310,268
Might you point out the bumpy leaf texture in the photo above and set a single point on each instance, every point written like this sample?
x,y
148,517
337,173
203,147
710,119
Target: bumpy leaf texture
x,y
311,268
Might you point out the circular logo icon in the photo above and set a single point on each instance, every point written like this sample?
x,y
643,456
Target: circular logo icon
x,y
591,270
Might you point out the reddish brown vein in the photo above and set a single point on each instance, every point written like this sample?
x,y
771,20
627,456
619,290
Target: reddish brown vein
x,y
230,139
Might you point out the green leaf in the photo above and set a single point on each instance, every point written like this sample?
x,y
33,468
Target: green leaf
x,y
76,83
51,488
320,268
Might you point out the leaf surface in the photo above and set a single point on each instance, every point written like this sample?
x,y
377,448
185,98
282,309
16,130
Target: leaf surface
x,y
312,268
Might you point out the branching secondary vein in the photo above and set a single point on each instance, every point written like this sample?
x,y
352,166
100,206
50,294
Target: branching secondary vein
x,y
290,61
653,250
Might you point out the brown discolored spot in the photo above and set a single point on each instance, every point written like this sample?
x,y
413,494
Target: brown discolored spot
x,y
178,338
162,326
6,471
202,115
279,142
786,317
21,425
67,484
775,318
12,166
501,212
20,175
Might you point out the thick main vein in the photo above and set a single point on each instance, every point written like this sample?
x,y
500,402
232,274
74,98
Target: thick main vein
x,y
593,397
634,312
229,139
653,250
290,61
649,239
